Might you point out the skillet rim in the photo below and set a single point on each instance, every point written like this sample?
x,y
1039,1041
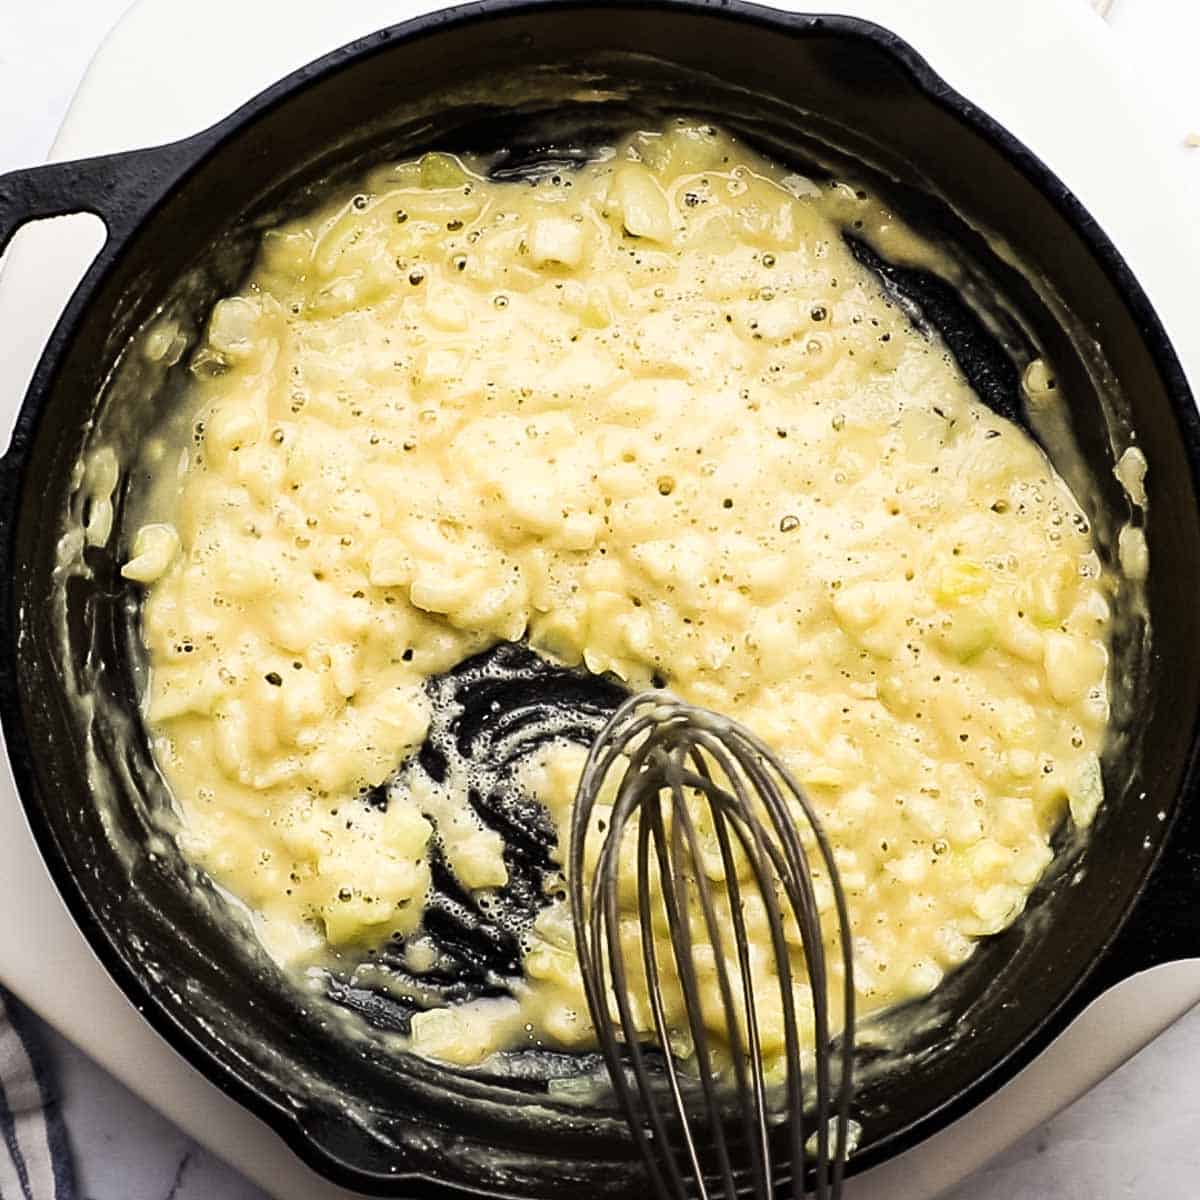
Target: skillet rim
x,y
188,157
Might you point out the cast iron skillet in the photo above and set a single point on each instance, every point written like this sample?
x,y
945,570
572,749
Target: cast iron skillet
x,y
364,1115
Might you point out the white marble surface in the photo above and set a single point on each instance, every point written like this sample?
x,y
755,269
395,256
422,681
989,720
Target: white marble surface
x,y
1134,1135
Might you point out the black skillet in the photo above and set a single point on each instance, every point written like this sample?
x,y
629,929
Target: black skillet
x,y
827,93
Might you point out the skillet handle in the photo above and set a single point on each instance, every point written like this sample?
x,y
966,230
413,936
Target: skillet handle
x,y
120,189
1164,926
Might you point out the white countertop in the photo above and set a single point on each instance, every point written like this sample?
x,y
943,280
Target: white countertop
x,y
1134,1135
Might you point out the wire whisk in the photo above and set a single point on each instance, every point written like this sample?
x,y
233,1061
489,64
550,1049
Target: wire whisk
x,y
705,818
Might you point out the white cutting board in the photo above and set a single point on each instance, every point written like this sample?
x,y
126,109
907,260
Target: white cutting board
x,y
1047,69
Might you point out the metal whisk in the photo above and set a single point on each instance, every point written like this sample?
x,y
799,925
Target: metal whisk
x,y
692,777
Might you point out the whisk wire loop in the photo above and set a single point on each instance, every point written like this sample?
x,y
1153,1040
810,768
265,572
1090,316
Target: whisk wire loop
x,y
680,931
797,881
761,753
682,944
605,931
649,829
756,1121
681,765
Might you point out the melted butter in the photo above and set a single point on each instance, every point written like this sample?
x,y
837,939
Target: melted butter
x,y
652,415
1133,550
1131,471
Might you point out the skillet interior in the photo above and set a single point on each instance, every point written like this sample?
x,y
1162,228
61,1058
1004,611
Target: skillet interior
x,y
359,1112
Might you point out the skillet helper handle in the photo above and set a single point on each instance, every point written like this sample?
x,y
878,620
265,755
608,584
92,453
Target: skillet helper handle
x,y
120,189
1164,926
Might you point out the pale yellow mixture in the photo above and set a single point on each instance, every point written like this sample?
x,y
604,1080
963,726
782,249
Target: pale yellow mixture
x,y
652,416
